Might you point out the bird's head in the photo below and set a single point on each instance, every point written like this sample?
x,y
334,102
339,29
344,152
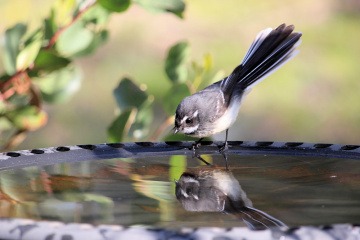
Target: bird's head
x,y
186,118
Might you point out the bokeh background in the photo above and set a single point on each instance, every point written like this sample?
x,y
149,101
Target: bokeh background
x,y
314,98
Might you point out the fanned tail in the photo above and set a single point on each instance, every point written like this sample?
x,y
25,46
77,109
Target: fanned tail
x,y
259,220
269,51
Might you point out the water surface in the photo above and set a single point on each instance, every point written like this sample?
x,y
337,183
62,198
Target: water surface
x,y
141,191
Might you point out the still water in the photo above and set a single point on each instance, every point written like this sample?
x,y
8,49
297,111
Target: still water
x,y
179,191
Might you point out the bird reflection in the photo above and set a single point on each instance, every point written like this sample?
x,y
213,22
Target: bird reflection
x,y
210,189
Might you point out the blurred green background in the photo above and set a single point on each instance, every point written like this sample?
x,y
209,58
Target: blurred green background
x,y
313,98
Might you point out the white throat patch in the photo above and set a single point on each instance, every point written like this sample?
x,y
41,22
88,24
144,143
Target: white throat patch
x,y
189,130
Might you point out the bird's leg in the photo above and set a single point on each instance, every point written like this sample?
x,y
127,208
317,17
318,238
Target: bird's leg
x,y
196,145
226,161
223,149
201,159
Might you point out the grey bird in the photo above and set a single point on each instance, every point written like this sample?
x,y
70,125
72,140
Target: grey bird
x,y
215,108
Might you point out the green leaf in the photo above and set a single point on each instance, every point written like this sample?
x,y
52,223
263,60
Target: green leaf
x,y
174,6
176,62
28,54
120,126
59,85
207,62
18,100
96,15
140,128
98,39
28,117
4,77
129,95
174,96
115,5
74,39
177,166
5,124
136,112
49,61
12,41
202,74
49,26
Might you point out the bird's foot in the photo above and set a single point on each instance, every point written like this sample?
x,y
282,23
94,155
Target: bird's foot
x,y
194,147
224,148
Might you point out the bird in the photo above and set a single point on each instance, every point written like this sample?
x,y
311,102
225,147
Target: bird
x,y
215,108
212,189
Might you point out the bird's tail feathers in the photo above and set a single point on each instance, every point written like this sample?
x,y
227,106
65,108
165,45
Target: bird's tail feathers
x,y
270,50
259,220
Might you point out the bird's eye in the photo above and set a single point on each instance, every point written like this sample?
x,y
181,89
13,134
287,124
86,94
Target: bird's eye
x,y
189,121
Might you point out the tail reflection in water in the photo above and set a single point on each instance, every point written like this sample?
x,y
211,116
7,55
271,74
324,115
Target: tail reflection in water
x,y
210,189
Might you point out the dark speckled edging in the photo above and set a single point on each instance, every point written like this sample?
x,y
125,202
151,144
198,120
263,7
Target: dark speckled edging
x,y
83,152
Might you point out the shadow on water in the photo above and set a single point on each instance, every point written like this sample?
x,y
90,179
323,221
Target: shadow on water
x,y
143,191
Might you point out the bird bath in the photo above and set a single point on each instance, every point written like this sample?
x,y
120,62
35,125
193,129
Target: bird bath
x,y
122,187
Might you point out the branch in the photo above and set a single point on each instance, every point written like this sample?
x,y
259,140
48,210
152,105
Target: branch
x,y
57,34
168,122
18,83
6,89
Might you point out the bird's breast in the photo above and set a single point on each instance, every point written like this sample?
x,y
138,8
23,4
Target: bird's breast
x,y
228,118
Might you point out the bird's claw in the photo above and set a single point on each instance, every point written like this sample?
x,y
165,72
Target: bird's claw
x,y
196,145
195,154
224,148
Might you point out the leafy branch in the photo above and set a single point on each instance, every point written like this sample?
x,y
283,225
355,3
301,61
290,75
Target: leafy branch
x,y
39,65
77,16
39,68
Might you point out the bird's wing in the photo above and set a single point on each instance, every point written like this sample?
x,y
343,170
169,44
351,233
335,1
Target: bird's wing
x,y
213,101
